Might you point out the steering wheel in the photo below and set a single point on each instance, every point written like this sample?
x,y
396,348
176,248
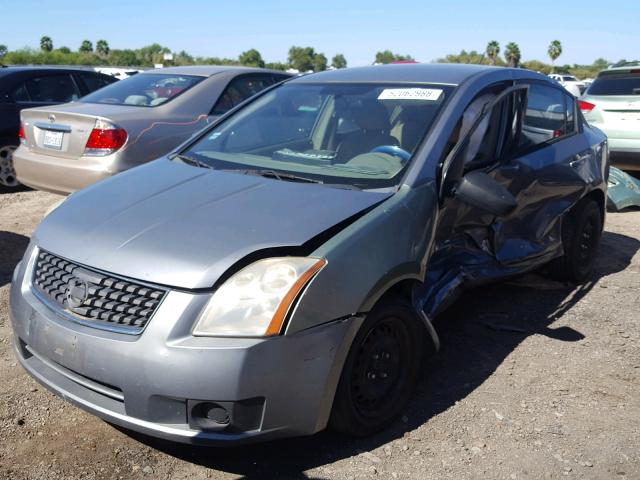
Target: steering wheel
x,y
393,150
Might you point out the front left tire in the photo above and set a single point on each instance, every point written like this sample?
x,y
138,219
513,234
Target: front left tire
x,y
381,371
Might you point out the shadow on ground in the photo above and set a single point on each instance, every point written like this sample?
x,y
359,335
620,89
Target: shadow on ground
x,y
12,247
477,334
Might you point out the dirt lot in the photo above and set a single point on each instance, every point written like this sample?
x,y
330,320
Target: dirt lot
x,y
536,380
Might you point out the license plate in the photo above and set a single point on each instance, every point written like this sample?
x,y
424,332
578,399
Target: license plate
x,y
52,139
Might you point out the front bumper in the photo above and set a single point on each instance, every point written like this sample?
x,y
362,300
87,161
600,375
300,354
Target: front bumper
x,y
149,382
60,175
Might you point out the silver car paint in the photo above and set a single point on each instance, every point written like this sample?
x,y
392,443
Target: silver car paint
x,y
183,226
392,240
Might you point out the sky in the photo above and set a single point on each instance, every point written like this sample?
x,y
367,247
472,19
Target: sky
x,y
426,30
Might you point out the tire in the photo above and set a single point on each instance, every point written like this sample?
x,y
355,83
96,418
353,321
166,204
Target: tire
x,y
381,370
8,179
581,233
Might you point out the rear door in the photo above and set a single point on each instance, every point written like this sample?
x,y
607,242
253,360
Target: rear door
x,y
547,169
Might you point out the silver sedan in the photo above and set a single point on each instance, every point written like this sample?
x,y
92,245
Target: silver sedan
x,y
68,147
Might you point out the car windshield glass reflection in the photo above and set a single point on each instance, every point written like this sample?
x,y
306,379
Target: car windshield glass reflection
x,y
358,135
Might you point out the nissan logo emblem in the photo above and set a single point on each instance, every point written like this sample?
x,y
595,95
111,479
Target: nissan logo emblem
x,y
77,292
52,118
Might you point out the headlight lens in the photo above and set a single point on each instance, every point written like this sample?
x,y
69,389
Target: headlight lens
x,y
255,301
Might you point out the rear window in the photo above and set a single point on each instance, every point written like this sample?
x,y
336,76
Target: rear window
x,y
569,78
146,90
615,85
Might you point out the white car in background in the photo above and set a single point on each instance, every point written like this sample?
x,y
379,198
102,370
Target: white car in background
x,y
119,73
574,86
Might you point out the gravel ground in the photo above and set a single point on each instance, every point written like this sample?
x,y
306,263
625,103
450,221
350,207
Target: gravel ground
x,y
536,379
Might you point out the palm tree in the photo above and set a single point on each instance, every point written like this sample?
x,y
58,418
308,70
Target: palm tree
x,y
86,46
554,51
102,47
493,49
46,44
512,54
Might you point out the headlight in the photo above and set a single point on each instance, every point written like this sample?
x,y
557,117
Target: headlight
x,y
255,301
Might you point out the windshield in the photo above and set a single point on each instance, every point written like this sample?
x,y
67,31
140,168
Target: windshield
x,y
616,85
145,90
353,134
569,78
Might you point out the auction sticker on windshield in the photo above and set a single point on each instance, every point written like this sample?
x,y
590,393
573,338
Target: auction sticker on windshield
x,y
427,94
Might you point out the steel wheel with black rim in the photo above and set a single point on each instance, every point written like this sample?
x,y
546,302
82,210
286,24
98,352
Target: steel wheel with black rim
x,y
581,235
381,370
8,179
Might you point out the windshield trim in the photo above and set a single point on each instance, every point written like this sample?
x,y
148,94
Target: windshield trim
x,y
199,77
410,163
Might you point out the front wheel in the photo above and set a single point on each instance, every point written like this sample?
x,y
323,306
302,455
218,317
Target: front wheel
x,y
581,232
381,370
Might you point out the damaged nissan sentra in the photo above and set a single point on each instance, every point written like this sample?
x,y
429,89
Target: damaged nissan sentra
x,y
279,272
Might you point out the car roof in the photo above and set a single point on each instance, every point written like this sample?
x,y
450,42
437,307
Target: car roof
x,y
444,73
630,67
9,69
208,70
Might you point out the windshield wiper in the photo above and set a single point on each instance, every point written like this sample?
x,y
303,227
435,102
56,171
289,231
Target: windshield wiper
x,y
190,160
290,177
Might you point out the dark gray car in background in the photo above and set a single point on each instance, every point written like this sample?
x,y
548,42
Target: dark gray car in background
x,y
280,272
67,147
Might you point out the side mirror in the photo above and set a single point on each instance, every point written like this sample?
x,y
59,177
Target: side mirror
x,y
478,189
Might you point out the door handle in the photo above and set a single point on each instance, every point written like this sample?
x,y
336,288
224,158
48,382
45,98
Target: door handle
x,y
579,159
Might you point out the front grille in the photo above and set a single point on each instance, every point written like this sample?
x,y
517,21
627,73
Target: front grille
x,y
103,300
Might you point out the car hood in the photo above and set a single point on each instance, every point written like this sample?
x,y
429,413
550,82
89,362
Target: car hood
x,y
182,226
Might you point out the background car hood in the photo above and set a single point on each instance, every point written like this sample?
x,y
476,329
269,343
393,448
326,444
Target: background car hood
x,y
178,225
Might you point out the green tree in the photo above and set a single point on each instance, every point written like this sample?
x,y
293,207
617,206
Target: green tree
x,y
466,57
151,54
387,56
65,50
512,54
3,50
319,62
86,47
124,58
102,47
46,44
493,50
338,61
251,58
301,58
554,51
276,66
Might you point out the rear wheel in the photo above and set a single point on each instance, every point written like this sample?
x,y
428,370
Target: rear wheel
x,y
381,370
8,180
581,233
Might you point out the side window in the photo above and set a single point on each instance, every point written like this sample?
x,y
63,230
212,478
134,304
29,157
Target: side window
x,y
239,90
485,143
544,117
52,88
94,82
571,114
20,94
